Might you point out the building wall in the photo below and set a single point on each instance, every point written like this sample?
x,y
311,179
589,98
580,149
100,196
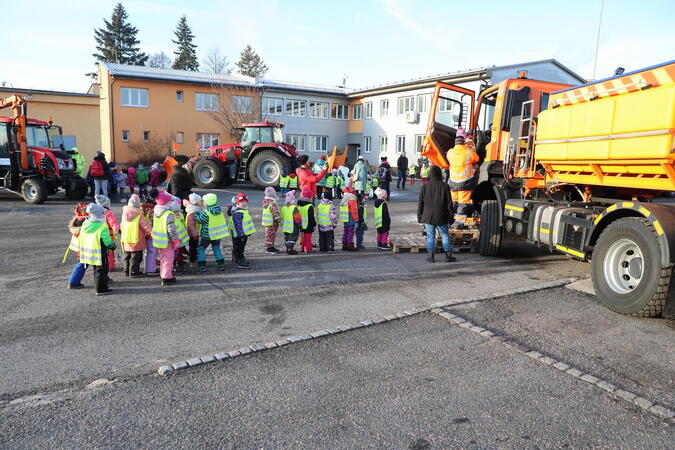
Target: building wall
x,y
77,114
544,71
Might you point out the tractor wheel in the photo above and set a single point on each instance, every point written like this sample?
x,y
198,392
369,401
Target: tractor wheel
x,y
207,174
626,266
265,169
490,238
34,190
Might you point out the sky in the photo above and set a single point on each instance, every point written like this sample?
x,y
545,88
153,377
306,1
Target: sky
x,y
48,44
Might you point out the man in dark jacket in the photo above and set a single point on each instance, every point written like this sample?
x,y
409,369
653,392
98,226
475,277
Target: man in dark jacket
x,y
434,210
384,175
402,166
180,183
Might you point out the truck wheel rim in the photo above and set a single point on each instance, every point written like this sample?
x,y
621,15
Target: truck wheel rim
x,y
205,174
623,266
30,191
268,172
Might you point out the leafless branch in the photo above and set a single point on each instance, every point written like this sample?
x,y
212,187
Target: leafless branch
x,y
234,108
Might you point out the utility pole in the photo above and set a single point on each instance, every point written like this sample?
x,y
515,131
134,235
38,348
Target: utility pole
x,y
597,41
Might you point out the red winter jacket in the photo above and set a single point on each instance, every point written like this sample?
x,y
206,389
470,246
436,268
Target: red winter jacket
x,y
307,179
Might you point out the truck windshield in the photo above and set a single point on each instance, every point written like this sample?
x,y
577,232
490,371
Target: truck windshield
x,y
44,137
487,111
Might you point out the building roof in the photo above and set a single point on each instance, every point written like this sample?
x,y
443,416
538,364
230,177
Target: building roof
x,y
291,85
45,92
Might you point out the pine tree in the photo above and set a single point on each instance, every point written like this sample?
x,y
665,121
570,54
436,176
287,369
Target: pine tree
x,y
186,56
116,42
251,64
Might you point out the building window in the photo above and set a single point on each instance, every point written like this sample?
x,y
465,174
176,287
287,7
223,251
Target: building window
x,y
137,98
384,108
180,138
319,110
146,136
339,111
242,104
273,106
367,144
297,141
179,96
318,143
383,144
206,140
406,104
296,108
423,102
125,135
400,144
369,110
206,102
356,113
419,140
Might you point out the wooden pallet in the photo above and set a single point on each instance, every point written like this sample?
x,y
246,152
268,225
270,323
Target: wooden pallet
x,y
462,241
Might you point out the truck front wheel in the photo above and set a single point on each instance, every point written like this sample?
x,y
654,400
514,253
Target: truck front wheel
x,y
265,169
626,266
207,174
490,238
34,190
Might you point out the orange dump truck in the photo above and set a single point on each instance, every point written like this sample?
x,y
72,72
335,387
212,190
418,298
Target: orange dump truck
x,y
586,170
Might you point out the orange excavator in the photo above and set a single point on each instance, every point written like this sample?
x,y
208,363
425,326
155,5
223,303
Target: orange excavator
x,y
33,161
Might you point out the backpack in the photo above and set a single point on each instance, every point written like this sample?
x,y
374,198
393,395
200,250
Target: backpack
x,y
97,169
142,176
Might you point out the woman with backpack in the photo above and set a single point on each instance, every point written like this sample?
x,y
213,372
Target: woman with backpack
x,y
100,171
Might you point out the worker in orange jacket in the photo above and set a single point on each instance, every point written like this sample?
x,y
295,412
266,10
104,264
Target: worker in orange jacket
x,y
463,161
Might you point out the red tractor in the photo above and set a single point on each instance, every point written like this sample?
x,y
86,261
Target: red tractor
x,y
259,157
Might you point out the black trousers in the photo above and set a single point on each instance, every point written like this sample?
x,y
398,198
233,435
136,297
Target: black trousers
x,y
238,247
132,262
326,240
101,274
193,249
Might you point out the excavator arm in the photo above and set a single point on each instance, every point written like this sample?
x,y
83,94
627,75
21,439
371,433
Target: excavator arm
x,y
19,110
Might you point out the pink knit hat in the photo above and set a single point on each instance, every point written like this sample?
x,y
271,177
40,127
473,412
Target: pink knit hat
x,y
163,198
271,193
306,192
290,197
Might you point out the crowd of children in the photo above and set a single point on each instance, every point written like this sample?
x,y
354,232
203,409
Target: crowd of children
x,y
167,230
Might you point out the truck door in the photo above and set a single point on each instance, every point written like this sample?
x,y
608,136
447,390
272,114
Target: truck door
x,y
451,108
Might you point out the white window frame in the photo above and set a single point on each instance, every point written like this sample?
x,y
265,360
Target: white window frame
x,y
180,137
179,96
405,104
321,140
319,110
298,108
127,97
339,111
205,101
384,108
368,110
357,112
276,102
297,139
423,100
125,135
400,139
206,140
242,104
419,138
384,141
367,144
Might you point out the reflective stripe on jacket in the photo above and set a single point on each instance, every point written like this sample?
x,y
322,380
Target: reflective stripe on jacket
x,y
323,214
160,231
218,227
461,161
89,245
287,222
246,221
378,215
130,230
304,214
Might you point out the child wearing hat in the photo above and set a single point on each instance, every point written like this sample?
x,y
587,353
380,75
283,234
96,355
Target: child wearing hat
x,y
93,239
308,219
213,228
271,216
349,216
74,226
183,236
326,219
134,229
382,219
165,236
193,204
242,228
290,222
113,226
142,179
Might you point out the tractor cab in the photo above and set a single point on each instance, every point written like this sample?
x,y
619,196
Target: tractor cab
x,y
261,133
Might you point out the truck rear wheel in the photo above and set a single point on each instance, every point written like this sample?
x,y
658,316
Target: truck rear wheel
x,y
490,238
34,190
207,174
265,169
627,273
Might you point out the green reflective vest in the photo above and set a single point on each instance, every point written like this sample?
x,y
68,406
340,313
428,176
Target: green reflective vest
x,y
183,236
246,221
79,163
293,182
304,214
330,181
424,172
378,215
89,245
323,214
375,182
344,213
218,228
287,222
160,231
130,231
267,217
284,181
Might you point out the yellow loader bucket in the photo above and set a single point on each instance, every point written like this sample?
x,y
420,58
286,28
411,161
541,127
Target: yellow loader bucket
x,y
336,158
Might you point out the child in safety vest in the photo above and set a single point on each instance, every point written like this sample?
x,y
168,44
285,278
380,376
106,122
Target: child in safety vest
x,y
326,219
306,209
93,239
382,219
242,228
290,222
183,236
74,226
412,172
151,251
193,204
284,179
113,226
134,228
142,179
165,236
349,216
362,225
374,184
271,216
424,173
339,183
213,228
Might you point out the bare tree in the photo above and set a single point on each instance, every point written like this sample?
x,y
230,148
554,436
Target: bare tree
x,y
154,150
160,60
216,62
236,105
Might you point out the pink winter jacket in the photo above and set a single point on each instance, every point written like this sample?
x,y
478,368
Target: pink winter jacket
x,y
129,214
112,221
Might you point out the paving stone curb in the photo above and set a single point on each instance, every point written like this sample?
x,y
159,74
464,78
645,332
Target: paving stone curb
x,y
655,409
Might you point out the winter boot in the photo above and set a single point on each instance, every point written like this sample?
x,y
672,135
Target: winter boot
x,y
272,250
290,250
345,247
430,257
243,264
202,266
351,248
168,281
221,265
449,257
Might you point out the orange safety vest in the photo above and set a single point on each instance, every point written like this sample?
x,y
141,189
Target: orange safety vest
x,y
462,162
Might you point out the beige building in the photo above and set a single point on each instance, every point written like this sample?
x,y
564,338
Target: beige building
x,y
76,113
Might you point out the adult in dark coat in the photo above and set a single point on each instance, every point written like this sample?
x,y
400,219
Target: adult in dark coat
x,y
402,166
101,181
180,183
434,210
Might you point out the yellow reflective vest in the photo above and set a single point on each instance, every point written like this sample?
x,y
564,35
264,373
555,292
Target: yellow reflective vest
x,y
160,230
284,181
89,245
304,214
130,230
323,214
246,222
267,216
378,215
183,236
287,223
218,227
